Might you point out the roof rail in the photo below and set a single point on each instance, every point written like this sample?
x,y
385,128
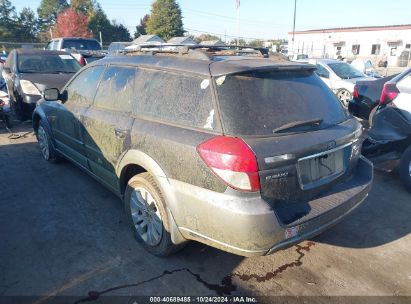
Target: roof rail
x,y
207,51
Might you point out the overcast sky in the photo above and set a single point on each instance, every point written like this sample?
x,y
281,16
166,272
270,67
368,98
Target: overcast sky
x,y
262,19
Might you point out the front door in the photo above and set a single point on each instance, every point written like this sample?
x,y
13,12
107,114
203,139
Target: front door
x,y
66,118
108,122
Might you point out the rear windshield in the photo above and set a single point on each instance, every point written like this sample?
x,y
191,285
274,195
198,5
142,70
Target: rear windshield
x,y
79,44
258,103
43,63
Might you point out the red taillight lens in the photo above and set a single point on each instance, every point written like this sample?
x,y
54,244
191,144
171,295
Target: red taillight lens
x,y
355,94
388,94
232,160
82,61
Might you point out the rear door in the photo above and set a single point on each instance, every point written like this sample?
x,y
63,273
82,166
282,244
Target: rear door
x,y
66,119
108,122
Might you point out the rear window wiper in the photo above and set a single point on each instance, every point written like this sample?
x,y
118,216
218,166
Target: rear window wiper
x,y
297,124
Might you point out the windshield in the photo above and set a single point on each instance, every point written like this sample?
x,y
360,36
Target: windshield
x,y
345,70
79,44
260,103
46,63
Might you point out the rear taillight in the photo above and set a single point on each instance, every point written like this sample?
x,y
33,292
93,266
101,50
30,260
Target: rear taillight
x,y
388,94
82,60
232,160
355,95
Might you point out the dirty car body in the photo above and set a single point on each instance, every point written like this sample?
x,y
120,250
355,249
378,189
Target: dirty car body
x,y
248,179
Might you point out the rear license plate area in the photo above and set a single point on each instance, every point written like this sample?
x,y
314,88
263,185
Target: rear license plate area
x,y
321,168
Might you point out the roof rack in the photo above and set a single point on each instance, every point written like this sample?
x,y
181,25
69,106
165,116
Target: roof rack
x,y
205,52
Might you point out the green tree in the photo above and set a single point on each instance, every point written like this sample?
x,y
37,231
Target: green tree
x,y
119,32
8,21
110,31
27,25
206,37
86,7
48,11
99,22
141,28
256,43
165,20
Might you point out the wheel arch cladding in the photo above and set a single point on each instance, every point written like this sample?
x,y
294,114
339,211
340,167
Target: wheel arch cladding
x,y
135,161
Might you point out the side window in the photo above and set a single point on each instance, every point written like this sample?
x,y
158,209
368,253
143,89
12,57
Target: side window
x,y
82,89
321,71
185,100
116,89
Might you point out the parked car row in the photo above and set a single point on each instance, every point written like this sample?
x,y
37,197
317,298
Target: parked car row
x,y
247,155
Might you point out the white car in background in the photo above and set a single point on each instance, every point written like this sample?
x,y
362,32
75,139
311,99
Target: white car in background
x,y
339,77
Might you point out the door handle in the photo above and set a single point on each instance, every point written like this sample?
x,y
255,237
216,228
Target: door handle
x,y
120,133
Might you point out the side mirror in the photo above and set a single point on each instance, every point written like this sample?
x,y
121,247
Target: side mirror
x,y
54,94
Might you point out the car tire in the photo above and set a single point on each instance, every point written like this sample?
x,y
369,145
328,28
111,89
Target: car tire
x,y
344,97
17,109
147,215
405,168
7,121
47,149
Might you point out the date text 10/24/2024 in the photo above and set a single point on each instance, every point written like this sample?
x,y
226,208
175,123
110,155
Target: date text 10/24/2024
x,y
204,299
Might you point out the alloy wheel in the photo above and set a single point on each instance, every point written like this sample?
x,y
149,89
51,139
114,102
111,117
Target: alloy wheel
x,y
43,142
146,216
344,96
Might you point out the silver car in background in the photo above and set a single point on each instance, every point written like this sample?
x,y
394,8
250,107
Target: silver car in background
x,y
339,76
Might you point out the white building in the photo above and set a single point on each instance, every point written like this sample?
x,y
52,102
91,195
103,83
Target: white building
x,y
378,43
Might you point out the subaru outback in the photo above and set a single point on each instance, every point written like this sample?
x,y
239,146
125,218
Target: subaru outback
x,y
245,154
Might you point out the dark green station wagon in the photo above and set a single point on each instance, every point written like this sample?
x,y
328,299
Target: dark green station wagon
x,y
246,154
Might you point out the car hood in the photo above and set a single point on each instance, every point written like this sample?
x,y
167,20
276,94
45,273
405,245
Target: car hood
x,y
47,81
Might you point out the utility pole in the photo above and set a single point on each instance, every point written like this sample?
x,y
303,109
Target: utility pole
x,y
295,13
101,40
238,22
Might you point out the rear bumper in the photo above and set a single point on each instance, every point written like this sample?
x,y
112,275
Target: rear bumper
x,y
246,225
337,205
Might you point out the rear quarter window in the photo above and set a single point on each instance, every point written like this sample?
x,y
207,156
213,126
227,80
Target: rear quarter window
x,y
257,103
181,99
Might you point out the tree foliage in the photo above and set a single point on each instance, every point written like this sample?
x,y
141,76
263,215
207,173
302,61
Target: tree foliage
x,y
165,19
72,24
27,25
111,31
87,7
206,37
48,11
141,28
8,18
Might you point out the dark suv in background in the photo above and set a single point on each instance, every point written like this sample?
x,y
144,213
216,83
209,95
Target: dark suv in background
x,y
246,154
